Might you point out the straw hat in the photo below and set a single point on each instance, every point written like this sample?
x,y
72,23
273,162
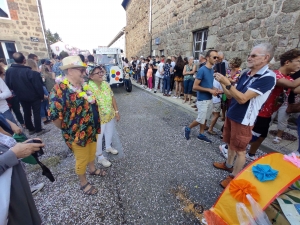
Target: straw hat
x,y
72,62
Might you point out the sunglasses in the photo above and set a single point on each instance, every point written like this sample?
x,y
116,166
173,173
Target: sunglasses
x,y
80,69
255,55
101,72
215,57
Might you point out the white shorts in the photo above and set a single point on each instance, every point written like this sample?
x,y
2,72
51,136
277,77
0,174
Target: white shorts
x,y
204,110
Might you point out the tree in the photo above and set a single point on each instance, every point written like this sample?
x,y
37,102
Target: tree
x,y
52,38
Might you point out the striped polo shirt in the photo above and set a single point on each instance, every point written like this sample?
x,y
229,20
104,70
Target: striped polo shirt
x,y
262,83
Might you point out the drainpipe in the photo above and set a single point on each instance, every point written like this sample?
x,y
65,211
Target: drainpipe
x,y
42,21
150,26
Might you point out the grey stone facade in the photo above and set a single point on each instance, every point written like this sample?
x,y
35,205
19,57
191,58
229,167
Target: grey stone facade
x,y
24,23
234,26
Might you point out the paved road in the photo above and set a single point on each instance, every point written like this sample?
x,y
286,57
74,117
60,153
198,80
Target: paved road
x,y
139,186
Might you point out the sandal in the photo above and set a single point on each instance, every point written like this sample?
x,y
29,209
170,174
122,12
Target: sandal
x,y
90,191
211,132
277,140
101,173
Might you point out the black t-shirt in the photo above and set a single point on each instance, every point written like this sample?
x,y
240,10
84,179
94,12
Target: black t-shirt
x,y
178,72
155,64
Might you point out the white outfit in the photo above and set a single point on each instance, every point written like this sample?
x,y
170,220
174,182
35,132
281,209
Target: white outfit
x,y
159,75
217,85
4,94
107,130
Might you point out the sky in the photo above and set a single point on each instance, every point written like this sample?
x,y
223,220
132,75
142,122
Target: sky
x,y
84,24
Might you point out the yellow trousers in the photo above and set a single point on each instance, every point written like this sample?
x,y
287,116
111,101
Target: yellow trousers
x,y
83,156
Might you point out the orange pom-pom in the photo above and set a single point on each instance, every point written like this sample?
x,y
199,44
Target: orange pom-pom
x,y
240,188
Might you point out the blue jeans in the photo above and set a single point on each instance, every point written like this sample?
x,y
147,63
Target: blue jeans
x,y
8,115
167,84
44,109
188,86
298,130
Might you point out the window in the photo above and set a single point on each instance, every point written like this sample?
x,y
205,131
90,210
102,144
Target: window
x,y
7,49
162,52
200,41
4,12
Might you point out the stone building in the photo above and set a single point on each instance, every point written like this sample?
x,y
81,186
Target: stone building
x,y
189,27
21,29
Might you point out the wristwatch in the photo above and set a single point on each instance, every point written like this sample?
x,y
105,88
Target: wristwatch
x,y
228,87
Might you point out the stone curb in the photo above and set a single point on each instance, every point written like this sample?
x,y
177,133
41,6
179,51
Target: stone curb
x,y
190,111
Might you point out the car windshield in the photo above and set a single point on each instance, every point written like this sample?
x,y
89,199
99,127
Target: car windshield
x,y
106,59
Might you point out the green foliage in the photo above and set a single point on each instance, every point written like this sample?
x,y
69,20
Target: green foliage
x,y
52,38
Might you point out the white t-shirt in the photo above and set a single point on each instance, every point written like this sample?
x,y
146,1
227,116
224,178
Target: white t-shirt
x,y
173,65
4,94
217,85
160,70
143,66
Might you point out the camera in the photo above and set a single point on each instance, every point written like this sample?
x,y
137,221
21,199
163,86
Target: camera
x,y
39,152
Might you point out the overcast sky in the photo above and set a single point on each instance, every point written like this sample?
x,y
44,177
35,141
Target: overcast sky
x,y
84,24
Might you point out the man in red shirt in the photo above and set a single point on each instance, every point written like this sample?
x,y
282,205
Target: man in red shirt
x,y
290,62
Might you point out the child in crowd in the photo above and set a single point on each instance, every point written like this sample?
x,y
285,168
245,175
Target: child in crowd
x,y
149,77
216,107
143,64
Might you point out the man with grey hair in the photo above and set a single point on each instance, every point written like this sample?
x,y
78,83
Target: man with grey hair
x,y
251,92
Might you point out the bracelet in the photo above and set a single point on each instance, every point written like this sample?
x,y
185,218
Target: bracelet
x,y
116,111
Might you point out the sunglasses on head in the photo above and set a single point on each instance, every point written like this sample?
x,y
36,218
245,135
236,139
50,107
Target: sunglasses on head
x,y
255,55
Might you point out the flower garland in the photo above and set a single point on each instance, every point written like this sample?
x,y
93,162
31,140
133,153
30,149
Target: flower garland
x,y
82,91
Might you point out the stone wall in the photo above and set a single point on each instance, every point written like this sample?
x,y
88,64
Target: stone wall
x,y
234,25
24,23
137,28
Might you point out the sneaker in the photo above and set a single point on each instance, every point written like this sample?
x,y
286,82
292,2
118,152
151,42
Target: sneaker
x,y
202,137
224,150
174,96
112,151
170,92
43,131
31,132
222,166
276,140
251,158
187,132
104,162
154,92
36,188
224,183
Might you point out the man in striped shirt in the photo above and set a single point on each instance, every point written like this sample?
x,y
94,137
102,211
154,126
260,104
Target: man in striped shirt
x,y
251,92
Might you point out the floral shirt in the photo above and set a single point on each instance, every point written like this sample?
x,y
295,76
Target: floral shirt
x,y
103,95
77,115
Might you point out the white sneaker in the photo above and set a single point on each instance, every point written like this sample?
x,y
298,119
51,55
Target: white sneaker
x,y
224,151
112,151
174,96
170,92
251,158
104,162
36,188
